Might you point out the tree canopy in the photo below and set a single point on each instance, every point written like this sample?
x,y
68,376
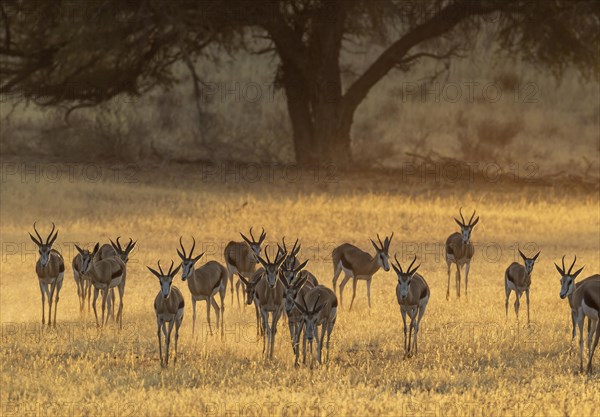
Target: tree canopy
x,y
82,53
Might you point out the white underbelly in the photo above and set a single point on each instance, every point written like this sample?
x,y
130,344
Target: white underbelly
x,y
589,311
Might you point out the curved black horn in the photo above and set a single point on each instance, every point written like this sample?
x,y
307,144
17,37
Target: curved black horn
x,y
160,268
119,244
193,246
37,233
398,263
315,304
171,267
563,264
182,248
267,254
411,264
473,215
572,265
50,235
461,215
380,242
252,236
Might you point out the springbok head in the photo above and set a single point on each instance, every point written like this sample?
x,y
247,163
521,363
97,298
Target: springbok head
x,y
529,262
383,251
291,284
86,257
44,247
405,277
567,279
187,259
255,244
466,227
272,267
310,316
123,253
166,279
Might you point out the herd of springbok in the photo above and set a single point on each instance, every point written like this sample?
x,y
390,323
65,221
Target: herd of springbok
x,y
283,284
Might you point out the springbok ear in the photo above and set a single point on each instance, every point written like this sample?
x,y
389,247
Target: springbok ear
x,y
34,240
578,272
79,249
114,245
96,248
198,257
522,255
536,256
180,255
300,307
375,245
414,271
560,271
130,247
154,272
262,262
459,223
283,280
301,266
395,268
301,282
244,280
173,273
246,239
475,222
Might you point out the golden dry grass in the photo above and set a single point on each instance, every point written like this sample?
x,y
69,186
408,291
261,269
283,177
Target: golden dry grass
x,y
471,362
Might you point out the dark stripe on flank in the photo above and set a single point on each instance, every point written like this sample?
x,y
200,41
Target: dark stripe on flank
x,y
334,303
423,293
590,301
116,274
345,262
61,267
182,303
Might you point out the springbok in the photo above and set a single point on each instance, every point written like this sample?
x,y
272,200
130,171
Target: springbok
x,y
266,290
412,293
106,274
204,283
81,264
241,259
359,265
50,269
459,250
168,306
584,300
517,278
322,312
115,249
295,283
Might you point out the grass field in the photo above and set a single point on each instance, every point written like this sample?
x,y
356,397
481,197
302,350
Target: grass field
x,y
471,361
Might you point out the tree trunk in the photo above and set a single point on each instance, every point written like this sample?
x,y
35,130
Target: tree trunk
x,y
313,85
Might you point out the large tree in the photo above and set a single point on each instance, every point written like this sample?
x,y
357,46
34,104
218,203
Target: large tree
x,y
83,53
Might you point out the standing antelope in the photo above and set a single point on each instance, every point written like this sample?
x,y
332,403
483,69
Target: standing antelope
x,y
168,306
241,259
358,264
115,249
81,264
266,290
584,300
412,293
459,250
295,284
323,312
50,268
106,274
517,278
204,283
